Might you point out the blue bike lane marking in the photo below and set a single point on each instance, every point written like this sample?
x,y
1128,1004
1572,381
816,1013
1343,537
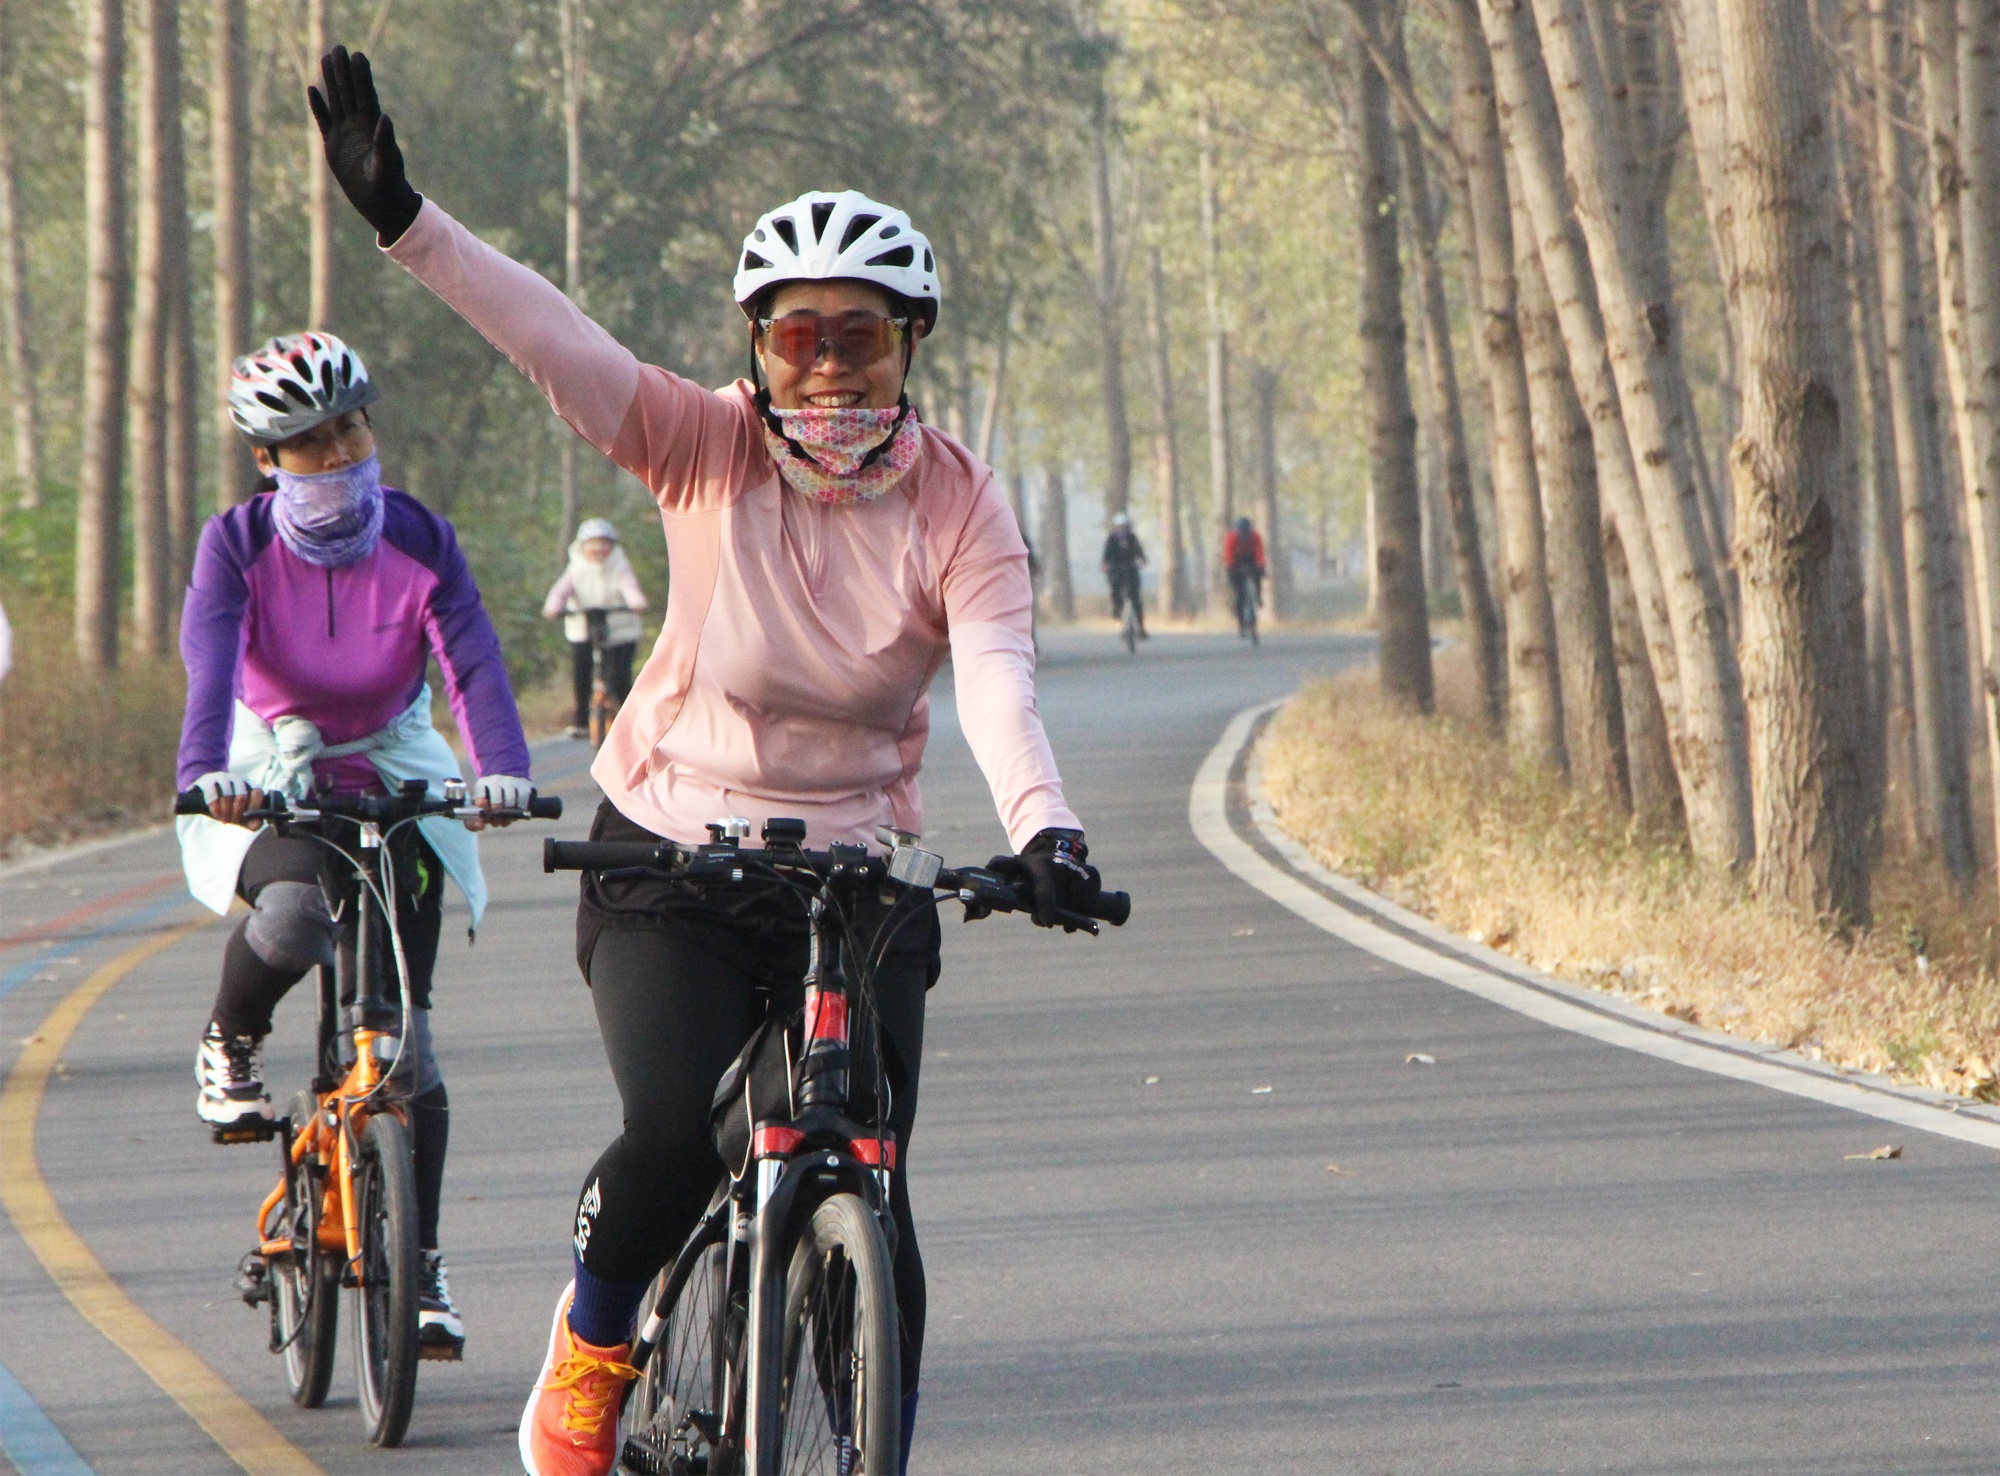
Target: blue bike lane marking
x,y
28,1437
29,1440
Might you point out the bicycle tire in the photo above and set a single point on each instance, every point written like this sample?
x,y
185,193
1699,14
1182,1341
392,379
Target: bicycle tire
x,y
305,1294
385,1301
1131,634
840,1372
672,1417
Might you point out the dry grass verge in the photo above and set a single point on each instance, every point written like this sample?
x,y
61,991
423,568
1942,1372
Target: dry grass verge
x,y
1430,812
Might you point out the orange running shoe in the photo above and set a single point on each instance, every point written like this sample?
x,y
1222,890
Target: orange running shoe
x,y
570,1427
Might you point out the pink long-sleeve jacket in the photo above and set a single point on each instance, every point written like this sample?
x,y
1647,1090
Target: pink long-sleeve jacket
x,y
793,669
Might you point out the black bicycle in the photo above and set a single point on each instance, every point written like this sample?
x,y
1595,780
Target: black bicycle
x,y
1248,587
344,1213
770,1343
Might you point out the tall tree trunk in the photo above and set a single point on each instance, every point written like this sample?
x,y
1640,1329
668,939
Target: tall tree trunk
x,y
319,181
1593,720
1534,144
1221,486
1108,290
160,289
1059,593
995,391
1656,794
1943,787
1713,754
235,290
1174,592
1789,467
1264,408
98,541
183,448
1979,207
15,314
1402,612
571,23
1533,681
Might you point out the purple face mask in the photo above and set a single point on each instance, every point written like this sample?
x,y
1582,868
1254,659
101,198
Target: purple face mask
x,y
331,519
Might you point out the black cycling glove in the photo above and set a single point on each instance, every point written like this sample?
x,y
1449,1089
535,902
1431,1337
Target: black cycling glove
x,y
361,145
1054,868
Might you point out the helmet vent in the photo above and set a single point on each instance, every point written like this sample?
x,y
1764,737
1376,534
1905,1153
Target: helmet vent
x,y
858,227
902,256
788,233
891,230
822,213
297,391
929,265
752,261
265,397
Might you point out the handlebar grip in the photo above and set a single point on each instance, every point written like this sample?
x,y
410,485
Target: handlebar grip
x,y
545,807
560,855
190,802
1112,907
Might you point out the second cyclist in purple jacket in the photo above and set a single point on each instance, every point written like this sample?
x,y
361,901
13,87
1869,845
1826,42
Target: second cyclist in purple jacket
x,y
311,613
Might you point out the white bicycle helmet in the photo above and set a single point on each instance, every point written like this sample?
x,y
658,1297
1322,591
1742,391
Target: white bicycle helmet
x,y
823,237
596,528
294,383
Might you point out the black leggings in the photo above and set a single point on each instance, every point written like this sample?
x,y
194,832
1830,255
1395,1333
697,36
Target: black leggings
x,y
676,1001
617,675
282,880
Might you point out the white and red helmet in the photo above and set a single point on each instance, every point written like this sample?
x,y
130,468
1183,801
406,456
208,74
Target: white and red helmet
x,y
824,237
294,383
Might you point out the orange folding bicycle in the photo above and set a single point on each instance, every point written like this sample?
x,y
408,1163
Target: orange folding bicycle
x,y
343,1216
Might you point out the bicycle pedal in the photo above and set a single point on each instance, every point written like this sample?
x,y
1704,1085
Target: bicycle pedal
x,y
260,1131
253,1279
441,1352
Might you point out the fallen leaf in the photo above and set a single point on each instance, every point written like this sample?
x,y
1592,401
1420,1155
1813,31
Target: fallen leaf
x,y
1151,1081
1887,1150
1418,1058
1334,1168
31,1040
1262,1091
1241,932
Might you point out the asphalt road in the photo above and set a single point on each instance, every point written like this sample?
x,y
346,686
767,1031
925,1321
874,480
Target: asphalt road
x,y
1542,1254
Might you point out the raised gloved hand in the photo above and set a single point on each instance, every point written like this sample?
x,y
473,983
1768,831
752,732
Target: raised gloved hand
x,y
361,144
228,797
500,792
1054,868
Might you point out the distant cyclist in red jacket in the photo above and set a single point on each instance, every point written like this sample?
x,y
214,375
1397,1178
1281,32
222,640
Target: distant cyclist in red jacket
x,y
1243,557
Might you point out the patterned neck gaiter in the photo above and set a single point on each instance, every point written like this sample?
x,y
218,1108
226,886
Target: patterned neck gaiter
x,y
331,519
843,456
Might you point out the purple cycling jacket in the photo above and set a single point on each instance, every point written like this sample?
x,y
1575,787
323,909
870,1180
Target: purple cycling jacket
x,y
344,648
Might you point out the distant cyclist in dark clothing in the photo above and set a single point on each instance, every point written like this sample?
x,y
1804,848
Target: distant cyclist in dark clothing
x,y
1124,556
1243,557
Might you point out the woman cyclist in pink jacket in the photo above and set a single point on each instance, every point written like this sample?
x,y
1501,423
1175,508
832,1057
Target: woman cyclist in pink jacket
x,y
828,553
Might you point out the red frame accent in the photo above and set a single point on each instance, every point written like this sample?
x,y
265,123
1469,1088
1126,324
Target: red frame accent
x,y
826,1017
873,1151
774,1142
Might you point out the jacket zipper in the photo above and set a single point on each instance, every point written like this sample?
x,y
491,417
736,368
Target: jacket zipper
x,y
329,604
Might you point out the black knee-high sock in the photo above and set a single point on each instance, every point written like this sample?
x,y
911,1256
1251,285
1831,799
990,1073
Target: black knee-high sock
x,y
430,1116
250,988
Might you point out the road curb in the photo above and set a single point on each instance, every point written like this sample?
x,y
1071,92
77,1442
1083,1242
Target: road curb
x,y
1229,816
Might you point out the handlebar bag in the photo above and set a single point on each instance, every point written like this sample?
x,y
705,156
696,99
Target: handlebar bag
x,y
756,1088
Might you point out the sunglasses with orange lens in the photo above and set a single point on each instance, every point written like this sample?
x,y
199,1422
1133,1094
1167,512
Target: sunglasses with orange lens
x,y
857,339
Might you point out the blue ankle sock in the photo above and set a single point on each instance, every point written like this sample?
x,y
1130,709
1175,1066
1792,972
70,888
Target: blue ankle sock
x,y
909,1430
601,1311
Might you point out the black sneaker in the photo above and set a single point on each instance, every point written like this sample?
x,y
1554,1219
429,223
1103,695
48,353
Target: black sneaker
x,y
230,1070
440,1330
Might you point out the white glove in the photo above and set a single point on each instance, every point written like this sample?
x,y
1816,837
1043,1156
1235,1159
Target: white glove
x,y
221,785
502,792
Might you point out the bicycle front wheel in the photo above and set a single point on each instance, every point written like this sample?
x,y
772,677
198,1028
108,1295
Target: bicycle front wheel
x,y
673,1418
305,1294
385,1301
840,1379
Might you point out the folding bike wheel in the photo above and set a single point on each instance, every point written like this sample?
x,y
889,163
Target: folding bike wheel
x,y
385,1302
305,1285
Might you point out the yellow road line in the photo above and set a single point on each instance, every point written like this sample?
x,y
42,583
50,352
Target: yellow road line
x,y
230,1420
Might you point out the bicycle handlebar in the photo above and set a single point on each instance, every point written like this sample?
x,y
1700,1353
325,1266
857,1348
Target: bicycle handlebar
x,y
383,809
974,885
